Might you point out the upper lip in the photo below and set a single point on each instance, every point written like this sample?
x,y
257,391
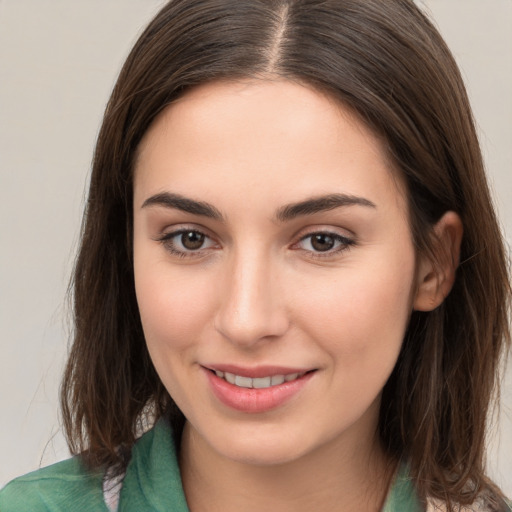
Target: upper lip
x,y
256,371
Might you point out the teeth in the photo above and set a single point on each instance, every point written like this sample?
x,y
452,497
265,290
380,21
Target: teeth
x,y
264,382
277,379
259,382
229,377
243,382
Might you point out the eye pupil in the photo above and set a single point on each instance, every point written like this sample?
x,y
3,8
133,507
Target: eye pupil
x,y
192,240
322,242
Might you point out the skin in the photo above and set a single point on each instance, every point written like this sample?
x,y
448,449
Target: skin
x,y
258,292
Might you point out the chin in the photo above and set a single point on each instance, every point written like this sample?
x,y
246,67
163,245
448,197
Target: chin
x,y
256,454
261,445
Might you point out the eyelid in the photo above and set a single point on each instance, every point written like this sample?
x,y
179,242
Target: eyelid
x,y
343,242
165,238
346,242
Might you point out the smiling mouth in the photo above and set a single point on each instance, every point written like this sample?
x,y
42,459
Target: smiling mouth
x,y
257,382
256,390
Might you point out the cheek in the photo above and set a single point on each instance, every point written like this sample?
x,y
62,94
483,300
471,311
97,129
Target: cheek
x,y
174,306
363,312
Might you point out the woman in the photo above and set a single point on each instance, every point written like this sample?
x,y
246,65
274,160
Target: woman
x,y
291,274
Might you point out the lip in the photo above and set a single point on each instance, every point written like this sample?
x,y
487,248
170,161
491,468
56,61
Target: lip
x,y
251,400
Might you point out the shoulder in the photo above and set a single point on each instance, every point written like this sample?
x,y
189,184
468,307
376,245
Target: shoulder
x,y
64,486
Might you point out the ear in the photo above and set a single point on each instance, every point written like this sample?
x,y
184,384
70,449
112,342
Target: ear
x,y
435,278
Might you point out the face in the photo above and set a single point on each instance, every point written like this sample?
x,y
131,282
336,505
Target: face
x,y
274,268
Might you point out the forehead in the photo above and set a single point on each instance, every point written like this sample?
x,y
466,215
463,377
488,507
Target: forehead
x,y
275,139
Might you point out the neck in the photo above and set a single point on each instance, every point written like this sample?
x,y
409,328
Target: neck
x,y
342,475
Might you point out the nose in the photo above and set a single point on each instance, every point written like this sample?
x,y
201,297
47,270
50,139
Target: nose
x,y
251,302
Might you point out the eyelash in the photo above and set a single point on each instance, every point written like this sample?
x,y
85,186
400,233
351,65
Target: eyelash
x,y
343,242
167,241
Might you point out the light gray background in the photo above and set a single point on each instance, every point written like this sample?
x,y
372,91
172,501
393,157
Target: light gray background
x,y
58,63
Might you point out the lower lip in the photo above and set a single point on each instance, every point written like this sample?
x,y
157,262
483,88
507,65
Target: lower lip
x,y
253,400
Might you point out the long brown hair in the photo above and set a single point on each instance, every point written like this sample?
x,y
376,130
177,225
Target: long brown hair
x,y
385,60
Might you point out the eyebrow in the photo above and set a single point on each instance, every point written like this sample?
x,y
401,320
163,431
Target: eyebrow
x,y
283,214
320,204
179,202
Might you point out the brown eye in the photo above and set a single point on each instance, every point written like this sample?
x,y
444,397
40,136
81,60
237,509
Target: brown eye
x,y
192,240
187,243
322,242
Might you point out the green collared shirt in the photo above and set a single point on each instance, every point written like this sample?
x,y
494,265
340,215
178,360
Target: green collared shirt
x,y
152,484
